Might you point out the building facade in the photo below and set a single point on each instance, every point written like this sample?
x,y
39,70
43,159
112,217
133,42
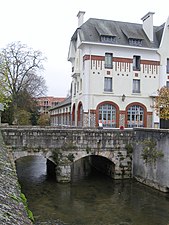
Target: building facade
x,y
60,115
47,102
117,68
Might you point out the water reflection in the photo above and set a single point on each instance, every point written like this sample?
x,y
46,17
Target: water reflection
x,y
93,200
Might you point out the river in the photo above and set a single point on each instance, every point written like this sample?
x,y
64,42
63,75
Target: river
x,y
89,200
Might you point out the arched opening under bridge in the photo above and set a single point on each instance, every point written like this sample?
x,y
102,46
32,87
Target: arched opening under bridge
x,y
90,165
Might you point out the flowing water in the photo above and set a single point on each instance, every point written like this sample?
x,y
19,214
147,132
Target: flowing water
x,y
89,200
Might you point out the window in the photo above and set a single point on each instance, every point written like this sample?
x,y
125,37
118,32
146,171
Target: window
x,y
136,86
136,62
108,84
80,84
74,88
108,39
167,84
108,60
45,102
135,116
135,42
107,115
167,65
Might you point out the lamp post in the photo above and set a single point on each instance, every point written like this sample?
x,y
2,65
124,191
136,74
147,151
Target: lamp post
x,y
123,97
1,109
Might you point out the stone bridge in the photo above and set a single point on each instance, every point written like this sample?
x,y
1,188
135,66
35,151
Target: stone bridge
x,y
140,152
109,150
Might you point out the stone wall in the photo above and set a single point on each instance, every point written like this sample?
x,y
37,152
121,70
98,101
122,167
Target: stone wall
x,y
12,210
153,171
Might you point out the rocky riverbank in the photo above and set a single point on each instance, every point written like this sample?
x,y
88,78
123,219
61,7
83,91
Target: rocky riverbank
x,y
12,208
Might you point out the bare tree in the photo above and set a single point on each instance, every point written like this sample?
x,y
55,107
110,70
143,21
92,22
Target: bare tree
x,y
19,68
35,85
20,71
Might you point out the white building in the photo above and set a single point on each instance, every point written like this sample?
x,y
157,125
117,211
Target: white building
x,y
117,68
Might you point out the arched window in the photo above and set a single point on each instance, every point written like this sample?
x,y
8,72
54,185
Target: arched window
x,y
107,115
135,116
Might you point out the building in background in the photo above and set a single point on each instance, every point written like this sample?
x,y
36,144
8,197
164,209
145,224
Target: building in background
x,y
46,103
60,115
117,68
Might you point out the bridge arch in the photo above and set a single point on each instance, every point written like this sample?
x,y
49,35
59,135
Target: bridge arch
x,y
20,154
50,162
107,154
97,161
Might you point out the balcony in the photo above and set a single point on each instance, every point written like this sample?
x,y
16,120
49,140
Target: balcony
x,y
75,72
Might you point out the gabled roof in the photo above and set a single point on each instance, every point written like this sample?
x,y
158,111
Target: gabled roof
x,y
133,33
93,29
105,30
159,32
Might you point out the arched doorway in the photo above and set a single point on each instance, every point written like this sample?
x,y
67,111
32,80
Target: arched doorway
x,y
80,115
108,114
136,115
73,115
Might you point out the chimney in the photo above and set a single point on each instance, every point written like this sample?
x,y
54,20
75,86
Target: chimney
x,y
148,25
80,16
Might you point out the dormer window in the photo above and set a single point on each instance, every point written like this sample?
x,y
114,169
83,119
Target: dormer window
x,y
108,39
135,42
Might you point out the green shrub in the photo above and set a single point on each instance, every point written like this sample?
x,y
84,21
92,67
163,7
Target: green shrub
x,y
150,154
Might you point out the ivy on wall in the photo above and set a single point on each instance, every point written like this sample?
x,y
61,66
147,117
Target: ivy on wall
x,y
150,153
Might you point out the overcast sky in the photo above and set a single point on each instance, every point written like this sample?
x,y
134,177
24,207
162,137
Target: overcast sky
x,y
47,25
